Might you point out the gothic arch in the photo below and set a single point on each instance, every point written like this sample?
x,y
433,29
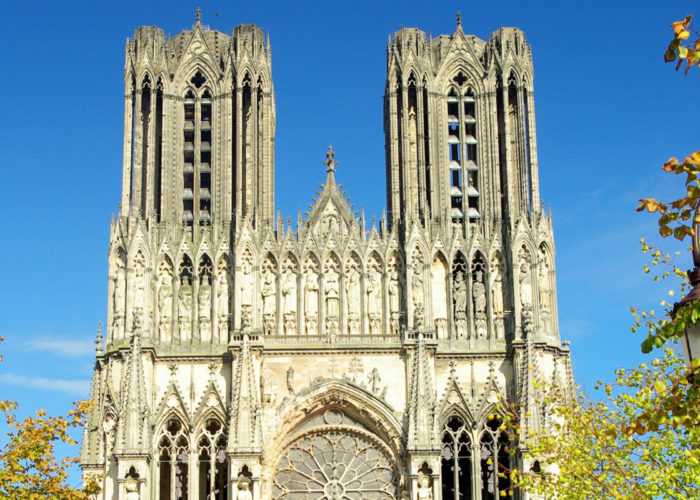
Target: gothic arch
x,y
370,411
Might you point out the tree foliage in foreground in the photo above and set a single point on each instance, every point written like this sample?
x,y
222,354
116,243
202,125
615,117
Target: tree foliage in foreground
x,y
29,469
642,439
601,449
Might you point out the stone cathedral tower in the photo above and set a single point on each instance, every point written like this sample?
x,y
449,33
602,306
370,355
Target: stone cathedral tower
x,y
252,358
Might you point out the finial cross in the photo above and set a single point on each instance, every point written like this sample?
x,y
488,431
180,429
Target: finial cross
x,y
330,161
199,15
459,19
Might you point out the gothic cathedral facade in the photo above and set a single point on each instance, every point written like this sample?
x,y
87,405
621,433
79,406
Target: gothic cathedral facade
x,y
251,357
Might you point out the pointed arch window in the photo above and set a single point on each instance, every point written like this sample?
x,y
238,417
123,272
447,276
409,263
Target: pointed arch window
x,y
197,153
495,457
173,467
213,463
462,144
456,458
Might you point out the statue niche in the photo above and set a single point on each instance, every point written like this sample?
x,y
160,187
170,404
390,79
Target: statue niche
x,y
497,300
545,293
439,296
418,289
139,290
246,287
184,300
165,300
290,270
394,295
525,279
374,295
331,273
204,299
353,294
311,296
222,301
479,297
119,296
269,296
459,295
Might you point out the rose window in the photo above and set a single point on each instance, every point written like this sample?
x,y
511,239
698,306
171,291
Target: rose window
x,y
334,465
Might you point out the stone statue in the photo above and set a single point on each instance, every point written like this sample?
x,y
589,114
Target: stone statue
x,y
246,284
418,291
268,291
543,278
222,304
311,298
497,305
460,295
331,289
352,296
132,490
269,298
374,381
185,308
394,297
165,306
479,292
290,380
204,309
374,299
525,285
119,295
243,489
425,491
289,297
139,291
497,288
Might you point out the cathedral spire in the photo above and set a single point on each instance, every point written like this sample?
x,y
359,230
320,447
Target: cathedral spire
x,y
330,162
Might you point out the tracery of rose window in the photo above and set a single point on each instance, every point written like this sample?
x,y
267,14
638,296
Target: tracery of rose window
x,y
334,464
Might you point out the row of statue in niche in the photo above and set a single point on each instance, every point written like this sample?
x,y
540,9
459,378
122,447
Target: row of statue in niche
x,y
343,298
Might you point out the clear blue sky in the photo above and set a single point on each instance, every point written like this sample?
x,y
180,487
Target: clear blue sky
x,y
609,113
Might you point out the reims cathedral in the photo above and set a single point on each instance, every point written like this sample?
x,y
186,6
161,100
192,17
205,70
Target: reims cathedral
x,y
253,356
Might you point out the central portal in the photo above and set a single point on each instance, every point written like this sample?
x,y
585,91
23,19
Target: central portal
x,y
334,464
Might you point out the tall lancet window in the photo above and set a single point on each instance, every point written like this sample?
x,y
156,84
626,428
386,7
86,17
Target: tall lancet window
x,y
158,149
197,153
462,146
145,136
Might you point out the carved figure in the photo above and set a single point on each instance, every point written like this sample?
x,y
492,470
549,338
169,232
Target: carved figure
x,y
269,298
525,285
394,297
119,297
374,299
165,306
268,289
374,381
222,303
243,488
460,295
331,289
204,309
290,380
425,491
545,296
185,308
479,292
246,284
132,490
311,297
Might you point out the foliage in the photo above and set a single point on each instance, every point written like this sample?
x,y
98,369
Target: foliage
x,y
679,48
622,447
29,469
640,440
